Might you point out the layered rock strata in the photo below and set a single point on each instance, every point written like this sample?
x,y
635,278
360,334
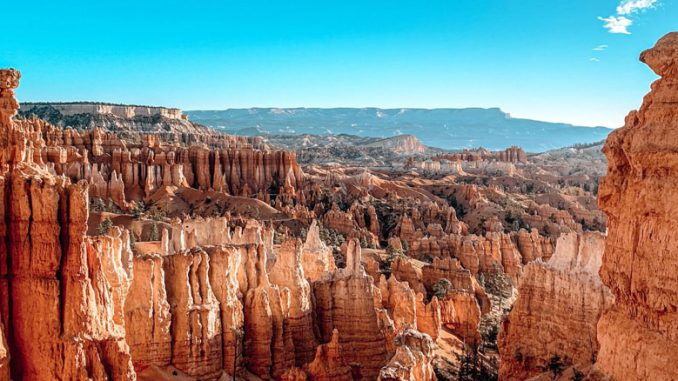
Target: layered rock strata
x,y
638,334
557,310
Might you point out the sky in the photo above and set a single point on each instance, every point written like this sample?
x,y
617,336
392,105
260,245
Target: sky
x,y
573,61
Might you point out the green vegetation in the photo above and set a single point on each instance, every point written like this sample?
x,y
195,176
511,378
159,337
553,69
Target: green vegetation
x,y
391,254
279,234
331,237
139,210
154,235
441,287
586,145
555,366
472,367
104,226
497,282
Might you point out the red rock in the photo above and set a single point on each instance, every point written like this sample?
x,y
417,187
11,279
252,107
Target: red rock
x,y
412,360
638,334
328,363
345,302
557,309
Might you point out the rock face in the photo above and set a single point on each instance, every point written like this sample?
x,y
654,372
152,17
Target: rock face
x,y
329,364
638,334
557,309
412,360
316,257
402,144
75,284
345,302
147,314
138,167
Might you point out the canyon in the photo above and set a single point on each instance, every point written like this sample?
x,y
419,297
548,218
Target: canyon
x,y
139,245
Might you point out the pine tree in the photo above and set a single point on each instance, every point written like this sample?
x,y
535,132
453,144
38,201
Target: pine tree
x,y
104,226
155,234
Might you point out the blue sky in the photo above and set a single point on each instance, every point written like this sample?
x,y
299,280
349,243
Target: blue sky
x,y
532,58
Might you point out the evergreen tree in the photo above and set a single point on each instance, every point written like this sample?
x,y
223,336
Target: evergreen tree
x,y
555,366
104,226
155,234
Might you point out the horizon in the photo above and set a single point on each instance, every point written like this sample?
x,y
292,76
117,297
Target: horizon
x,y
574,63
305,108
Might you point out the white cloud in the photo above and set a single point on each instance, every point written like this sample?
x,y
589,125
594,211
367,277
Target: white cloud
x,y
600,48
619,23
594,59
627,7
616,24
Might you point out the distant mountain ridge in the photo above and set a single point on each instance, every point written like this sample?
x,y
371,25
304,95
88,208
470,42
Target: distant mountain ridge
x,y
442,128
112,116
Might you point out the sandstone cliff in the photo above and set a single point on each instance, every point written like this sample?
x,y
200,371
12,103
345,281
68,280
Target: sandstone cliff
x,y
558,306
638,334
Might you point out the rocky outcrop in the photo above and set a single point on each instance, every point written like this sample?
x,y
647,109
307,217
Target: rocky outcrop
x,y
135,168
557,309
460,312
196,326
428,316
399,299
477,253
345,301
75,284
412,360
61,293
288,272
401,144
638,334
316,257
328,363
147,314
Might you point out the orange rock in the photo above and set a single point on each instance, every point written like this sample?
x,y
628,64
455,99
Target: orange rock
x,y
557,309
638,335
316,257
288,272
428,317
412,360
329,363
345,301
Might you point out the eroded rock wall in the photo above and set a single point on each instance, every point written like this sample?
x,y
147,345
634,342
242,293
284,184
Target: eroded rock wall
x,y
557,310
638,334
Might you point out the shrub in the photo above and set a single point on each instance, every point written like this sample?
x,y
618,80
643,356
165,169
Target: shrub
x,y
104,226
555,366
441,287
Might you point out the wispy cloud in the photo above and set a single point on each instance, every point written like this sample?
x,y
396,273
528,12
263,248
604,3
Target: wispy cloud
x,y
616,24
627,7
594,59
619,23
600,48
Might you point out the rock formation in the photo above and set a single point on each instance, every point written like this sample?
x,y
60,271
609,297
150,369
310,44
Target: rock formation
x,y
176,252
557,309
638,334
345,302
75,284
329,364
412,360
